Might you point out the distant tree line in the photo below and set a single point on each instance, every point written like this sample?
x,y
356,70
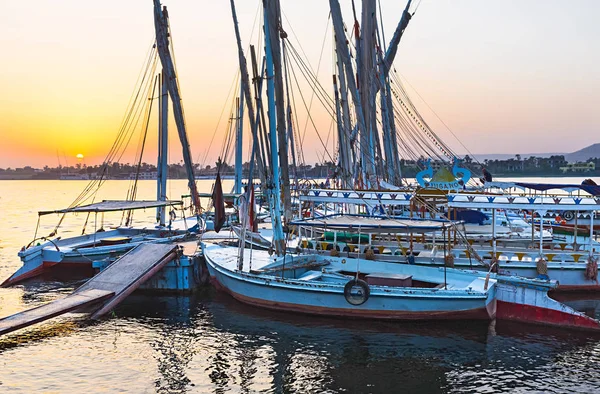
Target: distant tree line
x,y
127,171
517,166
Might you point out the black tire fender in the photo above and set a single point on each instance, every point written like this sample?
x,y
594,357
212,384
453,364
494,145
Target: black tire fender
x,y
356,292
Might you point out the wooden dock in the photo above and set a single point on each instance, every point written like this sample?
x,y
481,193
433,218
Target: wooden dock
x,y
52,309
104,291
128,272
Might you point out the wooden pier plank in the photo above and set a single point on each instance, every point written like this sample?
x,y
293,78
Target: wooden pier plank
x,y
126,270
52,309
127,273
110,286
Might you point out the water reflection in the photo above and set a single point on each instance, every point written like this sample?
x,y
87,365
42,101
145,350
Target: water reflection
x,y
209,342
313,354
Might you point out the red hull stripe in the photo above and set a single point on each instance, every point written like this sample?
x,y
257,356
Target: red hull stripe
x,y
27,275
538,315
40,270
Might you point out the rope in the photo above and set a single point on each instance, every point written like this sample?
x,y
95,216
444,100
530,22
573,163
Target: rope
x,y
141,151
124,134
591,269
542,266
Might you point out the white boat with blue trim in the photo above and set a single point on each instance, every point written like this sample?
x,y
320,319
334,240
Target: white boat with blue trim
x,y
359,288
354,288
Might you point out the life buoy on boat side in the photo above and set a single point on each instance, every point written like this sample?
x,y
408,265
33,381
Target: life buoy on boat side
x,y
356,292
568,215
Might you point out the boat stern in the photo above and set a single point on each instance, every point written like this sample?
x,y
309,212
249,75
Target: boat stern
x,y
527,301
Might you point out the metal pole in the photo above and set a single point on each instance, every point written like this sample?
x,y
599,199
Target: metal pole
x,y
541,231
575,231
494,231
445,281
95,221
592,233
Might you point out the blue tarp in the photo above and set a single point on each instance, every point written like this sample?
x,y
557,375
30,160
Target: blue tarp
x,y
469,216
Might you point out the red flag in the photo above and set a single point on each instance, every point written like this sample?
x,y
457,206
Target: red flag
x,y
251,208
219,205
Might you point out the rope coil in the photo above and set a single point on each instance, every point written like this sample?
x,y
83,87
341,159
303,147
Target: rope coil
x,y
591,269
542,267
449,260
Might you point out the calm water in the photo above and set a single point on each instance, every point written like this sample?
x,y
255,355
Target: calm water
x,y
210,343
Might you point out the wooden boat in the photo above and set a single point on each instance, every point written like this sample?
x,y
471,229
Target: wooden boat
x,y
359,288
572,269
328,286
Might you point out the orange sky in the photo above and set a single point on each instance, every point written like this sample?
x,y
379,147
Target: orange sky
x,y
506,76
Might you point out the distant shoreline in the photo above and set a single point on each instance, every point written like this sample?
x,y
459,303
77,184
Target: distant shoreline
x,y
209,177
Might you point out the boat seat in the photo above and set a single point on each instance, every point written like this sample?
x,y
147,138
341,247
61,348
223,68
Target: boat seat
x,y
311,275
114,240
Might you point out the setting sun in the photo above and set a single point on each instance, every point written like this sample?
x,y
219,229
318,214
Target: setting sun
x,y
79,156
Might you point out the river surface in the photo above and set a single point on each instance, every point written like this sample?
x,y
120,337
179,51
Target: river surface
x,y
208,342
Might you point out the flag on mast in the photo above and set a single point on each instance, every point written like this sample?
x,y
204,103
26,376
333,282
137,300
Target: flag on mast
x,y
219,204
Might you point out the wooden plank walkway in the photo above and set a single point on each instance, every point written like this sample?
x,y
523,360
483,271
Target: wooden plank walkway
x,y
52,309
128,272
107,289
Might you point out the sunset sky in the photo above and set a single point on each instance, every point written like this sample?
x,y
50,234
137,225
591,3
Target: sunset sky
x,y
506,76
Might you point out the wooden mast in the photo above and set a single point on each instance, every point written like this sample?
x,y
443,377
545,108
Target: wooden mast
x,y
163,150
388,59
276,124
273,25
161,25
239,140
344,57
366,75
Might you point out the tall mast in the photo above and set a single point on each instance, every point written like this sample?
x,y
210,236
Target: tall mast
x,y
342,138
161,25
343,52
246,89
388,59
348,138
262,153
163,150
273,14
367,82
387,118
239,139
390,54
274,186
290,127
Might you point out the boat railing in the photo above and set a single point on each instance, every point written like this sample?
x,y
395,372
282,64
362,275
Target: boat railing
x,y
556,253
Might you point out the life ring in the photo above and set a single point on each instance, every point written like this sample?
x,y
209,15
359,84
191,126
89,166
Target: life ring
x,y
558,219
568,215
356,292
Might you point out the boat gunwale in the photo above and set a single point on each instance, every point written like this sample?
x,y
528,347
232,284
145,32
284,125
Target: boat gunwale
x,y
375,290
